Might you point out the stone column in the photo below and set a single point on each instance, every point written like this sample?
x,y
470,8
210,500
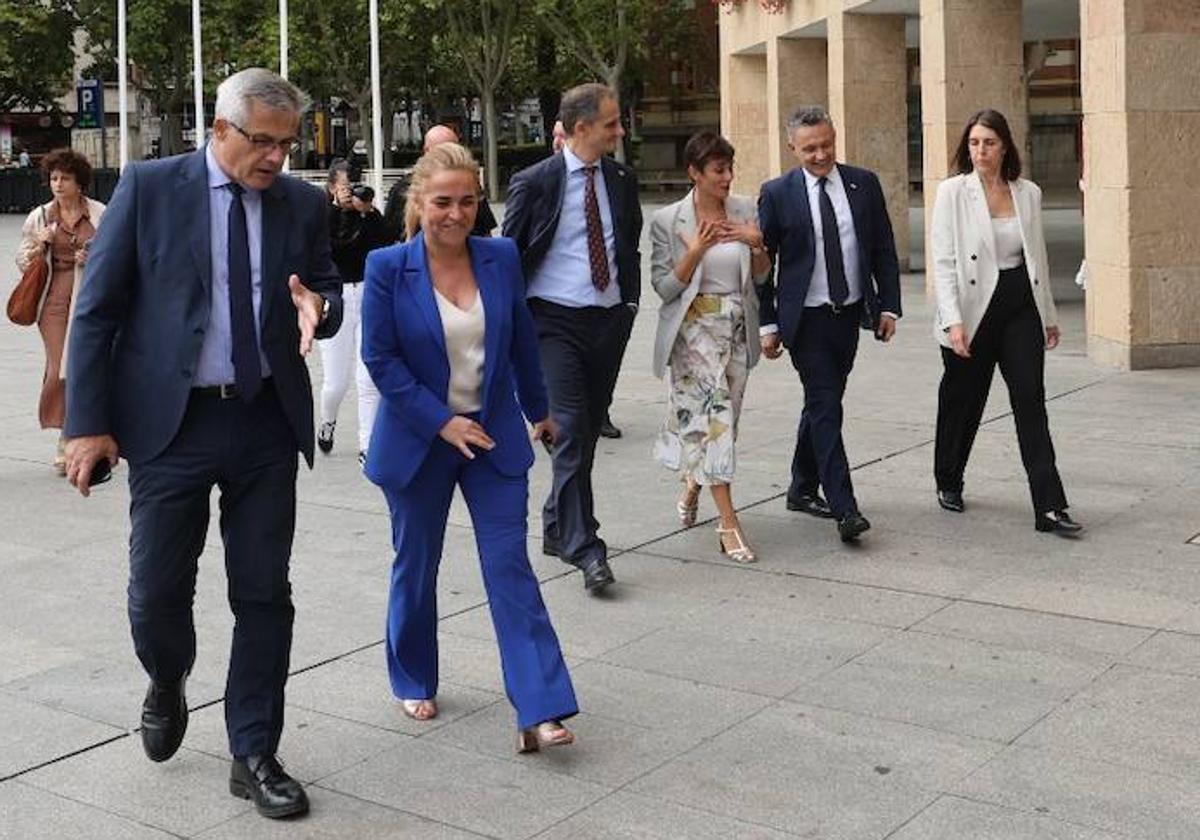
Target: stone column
x,y
972,57
744,121
796,75
1141,102
868,100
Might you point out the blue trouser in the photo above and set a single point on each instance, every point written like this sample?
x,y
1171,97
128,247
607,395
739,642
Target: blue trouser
x,y
823,354
249,452
535,675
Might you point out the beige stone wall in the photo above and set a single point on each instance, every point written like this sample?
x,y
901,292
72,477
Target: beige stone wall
x,y
1141,97
797,70
744,118
868,100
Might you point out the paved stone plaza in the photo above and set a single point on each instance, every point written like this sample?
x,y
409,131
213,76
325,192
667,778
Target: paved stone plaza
x,y
953,678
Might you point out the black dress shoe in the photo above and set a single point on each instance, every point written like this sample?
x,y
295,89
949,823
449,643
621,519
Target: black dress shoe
x,y
597,575
262,778
852,525
951,500
812,504
550,547
325,437
1057,522
164,720
608,430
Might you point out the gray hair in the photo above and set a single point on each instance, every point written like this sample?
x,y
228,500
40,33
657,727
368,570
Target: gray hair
x,y
257,84
582,104
807,116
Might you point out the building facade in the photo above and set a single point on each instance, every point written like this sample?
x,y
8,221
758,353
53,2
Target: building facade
x,y
1104,90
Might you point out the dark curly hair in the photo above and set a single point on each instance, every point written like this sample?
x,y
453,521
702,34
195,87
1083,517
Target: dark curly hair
x,y
705,147
71,162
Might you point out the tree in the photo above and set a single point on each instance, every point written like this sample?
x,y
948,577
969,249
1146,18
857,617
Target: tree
x,y
35,53
481,33
606,36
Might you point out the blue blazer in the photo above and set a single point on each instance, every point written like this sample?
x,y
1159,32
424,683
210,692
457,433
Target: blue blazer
x,y
144,304
404,348
787,227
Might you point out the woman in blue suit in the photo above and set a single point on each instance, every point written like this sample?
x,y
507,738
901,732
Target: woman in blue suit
x,y
446,338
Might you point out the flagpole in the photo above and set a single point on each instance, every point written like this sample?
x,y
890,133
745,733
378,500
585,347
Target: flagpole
x,y
283,55
198,75
122,83
376,103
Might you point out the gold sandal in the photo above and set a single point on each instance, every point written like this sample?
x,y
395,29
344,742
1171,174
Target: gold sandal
x,y
548,733
742,553
420,710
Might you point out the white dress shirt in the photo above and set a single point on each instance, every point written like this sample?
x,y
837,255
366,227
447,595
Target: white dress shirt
x,y
565,275
818,286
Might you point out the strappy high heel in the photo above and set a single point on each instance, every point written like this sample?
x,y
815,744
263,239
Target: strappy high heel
x,y
742,553
548,733
686,509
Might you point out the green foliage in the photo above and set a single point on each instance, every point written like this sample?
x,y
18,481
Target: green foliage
x,y
35,52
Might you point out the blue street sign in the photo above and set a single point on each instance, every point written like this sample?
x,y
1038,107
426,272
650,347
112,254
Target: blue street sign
x,y
90,93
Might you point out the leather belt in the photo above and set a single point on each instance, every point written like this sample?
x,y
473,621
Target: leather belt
x,y
222,392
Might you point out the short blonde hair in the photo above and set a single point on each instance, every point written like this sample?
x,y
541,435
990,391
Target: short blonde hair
x,y
444,156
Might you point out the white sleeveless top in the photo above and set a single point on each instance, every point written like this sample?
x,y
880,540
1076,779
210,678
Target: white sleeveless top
x,y
721,269
1010,250
464,330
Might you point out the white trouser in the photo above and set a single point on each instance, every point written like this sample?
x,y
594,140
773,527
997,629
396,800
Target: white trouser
x,y
339,356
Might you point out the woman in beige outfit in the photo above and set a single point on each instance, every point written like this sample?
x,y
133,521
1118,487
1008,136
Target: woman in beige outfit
x,y
60,230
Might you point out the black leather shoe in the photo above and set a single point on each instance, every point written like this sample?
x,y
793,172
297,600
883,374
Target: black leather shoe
x,y
1057,522
951,500
811,504
325,437
164,720
262,778
608,430
597,575
550,547
852,525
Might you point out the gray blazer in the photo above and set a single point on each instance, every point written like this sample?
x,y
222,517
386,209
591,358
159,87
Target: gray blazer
x,y
668,249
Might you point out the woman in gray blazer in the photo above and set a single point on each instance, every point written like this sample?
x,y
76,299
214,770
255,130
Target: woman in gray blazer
x,y
707,257
994,308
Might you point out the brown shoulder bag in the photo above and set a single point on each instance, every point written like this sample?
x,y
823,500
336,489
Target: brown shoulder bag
x,y
25,299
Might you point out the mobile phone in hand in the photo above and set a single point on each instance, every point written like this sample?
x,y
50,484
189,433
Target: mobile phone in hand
x,y
101,473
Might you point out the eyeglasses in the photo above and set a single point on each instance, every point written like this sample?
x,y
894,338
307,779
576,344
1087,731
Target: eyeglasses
x,y
263,143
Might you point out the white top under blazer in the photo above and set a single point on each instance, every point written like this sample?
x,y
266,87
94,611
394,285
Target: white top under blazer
x,y
966,257
464,329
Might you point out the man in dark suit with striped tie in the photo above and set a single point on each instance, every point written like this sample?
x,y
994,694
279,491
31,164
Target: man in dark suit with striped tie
x,y
576,220
826,226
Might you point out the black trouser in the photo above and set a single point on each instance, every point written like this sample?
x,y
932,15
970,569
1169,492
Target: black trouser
x,y
1011,336
249,452
581,350
823,354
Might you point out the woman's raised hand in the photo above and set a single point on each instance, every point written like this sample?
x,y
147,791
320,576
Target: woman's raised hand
x,y
708,233
463,433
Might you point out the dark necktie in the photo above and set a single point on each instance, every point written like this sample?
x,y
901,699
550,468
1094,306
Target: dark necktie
x,y
597,253
247,370
835,267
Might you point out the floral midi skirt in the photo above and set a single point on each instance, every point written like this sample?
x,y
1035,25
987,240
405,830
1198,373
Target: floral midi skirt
x,y
708,370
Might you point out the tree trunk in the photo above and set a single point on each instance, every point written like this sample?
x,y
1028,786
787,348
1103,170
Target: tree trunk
x,y
487,100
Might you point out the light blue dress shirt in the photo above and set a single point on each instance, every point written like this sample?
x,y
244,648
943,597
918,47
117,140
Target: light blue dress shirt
x,y
216,354
565,275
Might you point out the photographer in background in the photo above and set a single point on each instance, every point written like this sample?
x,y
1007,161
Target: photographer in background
x,y
355,229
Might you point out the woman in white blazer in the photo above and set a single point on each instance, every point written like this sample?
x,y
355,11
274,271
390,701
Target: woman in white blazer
x,y
994,307
60,231
707,257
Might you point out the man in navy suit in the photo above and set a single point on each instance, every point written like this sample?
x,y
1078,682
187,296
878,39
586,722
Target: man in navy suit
x,y
576,220
204,290
826,224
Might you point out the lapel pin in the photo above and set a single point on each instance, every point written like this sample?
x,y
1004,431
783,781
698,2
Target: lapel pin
x,y
853,185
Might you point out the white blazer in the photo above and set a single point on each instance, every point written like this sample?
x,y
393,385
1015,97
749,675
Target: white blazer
x,y
964,253
668,251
